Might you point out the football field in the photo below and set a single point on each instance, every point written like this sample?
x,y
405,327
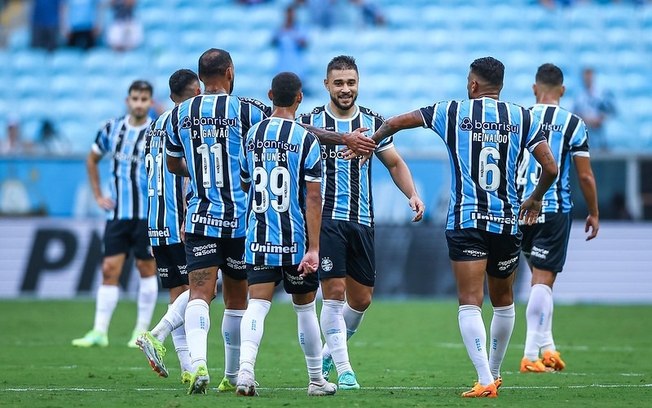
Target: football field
x,y
406,354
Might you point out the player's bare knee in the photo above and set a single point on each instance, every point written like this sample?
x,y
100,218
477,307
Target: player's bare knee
x,y
333,288
359,302
146,267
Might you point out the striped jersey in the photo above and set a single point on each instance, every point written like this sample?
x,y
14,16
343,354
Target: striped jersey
x,y
280,156
485,139
165,196
567,137
125,144
346,187
209,132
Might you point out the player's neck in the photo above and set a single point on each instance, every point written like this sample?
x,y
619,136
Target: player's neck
x,y
548,101
342,113
487,94
135,121
288,113
217,90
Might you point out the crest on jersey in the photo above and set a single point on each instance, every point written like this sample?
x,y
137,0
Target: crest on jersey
x,y
326,264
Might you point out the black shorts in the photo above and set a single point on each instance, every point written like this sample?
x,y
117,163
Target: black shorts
x,y
123,236
347,248
225,253
545,244
171,265
292,282
501,251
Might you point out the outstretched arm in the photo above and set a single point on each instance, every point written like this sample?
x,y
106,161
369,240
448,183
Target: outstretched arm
x,y
402,177
532,205
355,141
589,191
395,123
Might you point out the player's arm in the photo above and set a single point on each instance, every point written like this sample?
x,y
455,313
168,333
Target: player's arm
x,y
394,124
402,177
355,141
94,178
532,205
177,165
589,191
310,260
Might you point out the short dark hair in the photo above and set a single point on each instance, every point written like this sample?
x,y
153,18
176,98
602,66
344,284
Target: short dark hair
x,y
181,80
489,69
285,87
142,86
342,62
214,62
549,74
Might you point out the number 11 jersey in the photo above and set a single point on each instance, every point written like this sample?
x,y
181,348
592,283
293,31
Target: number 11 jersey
x,y
209,132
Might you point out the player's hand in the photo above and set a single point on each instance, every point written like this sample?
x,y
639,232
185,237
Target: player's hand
x,y
309,263
530,211
105,203
593,224
358,143
418,207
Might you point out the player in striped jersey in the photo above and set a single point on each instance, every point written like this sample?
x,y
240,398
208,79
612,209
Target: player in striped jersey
x,y
166,210
126,208
205,136
280,168
347,267
486,138
545,243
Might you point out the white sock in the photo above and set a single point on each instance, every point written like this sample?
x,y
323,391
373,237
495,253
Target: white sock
x,y
310,339
546,340
352,319
333,328
147,294
475,339
502,325
173,318
251,332
198,322
105,302
231,335
181,347
539,309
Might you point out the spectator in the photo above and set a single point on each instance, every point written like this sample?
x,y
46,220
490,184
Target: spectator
x,y
371,14
321,12
291,43
82,17
125,32
13,144
46,15
50,141
594,106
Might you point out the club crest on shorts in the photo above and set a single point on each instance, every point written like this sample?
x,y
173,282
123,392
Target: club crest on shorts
x,y
326,264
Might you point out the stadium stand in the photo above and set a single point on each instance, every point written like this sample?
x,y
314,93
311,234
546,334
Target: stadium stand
x,y
420,56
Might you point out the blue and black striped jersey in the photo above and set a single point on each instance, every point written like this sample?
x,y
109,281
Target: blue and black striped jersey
x,y
567,137
125,144
209,131
346,187
280,156
165,196
485,139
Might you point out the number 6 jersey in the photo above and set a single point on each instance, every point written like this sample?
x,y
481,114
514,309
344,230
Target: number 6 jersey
x,y
485,139
208,131
279,158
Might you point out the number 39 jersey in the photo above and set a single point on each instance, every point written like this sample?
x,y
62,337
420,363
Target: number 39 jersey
x,y
486,139
567,138
280,156
164,189
209,131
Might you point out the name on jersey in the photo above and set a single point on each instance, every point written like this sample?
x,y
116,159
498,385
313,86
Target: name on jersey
x,y
270,248
154,233
214,222
475,215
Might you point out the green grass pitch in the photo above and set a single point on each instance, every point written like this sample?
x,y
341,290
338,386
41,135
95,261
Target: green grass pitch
x,y
406,354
